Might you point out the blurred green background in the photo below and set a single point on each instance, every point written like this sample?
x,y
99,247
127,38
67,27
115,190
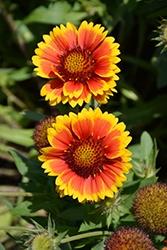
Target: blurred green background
x,y
141,101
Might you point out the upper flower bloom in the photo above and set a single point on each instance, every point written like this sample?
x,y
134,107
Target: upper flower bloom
x,y
88,154
80,64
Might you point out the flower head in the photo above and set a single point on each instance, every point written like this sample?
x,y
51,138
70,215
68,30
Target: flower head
x,y
79,63
150,207
129,239
162,35
40,132
88,154
42,242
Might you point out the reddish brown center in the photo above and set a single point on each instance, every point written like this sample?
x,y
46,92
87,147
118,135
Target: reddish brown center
x,y
76,65
85,157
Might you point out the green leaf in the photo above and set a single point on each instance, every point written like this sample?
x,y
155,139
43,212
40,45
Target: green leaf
x,y
146,145
22,209
99,246
128,218
23,31
148,181
8,76
10,115
18,136
136,151
20,162
34,116
2,247
86,226
20,74
59,12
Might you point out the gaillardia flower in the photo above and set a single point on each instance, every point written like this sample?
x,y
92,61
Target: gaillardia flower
x,y
88,154
79,63
150,208
129,239
40,132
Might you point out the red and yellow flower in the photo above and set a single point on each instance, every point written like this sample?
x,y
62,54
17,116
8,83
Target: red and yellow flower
x,y
78,63
88,154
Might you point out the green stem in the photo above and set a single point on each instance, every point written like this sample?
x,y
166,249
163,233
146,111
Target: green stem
x,y
17,194
85,235
63,241
17,228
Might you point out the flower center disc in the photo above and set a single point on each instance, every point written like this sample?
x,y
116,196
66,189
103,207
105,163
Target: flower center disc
x,y
85,157
76,65
74,62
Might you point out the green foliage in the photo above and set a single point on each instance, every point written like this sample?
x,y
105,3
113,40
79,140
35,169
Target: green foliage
x,y
8,76
1,247
19,161
19,136
140,102
144,156
55,13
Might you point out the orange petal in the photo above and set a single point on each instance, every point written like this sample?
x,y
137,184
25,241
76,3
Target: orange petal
x,y
66,177
89,36
48,53
76,184
103,67
84,97
82,127
108,182
102,125
71,35
102,99
72,89
88,186
97,86
110,173
61,139
65,38
115,168
100,186
55,166
112,147
55,85
45,67
48,153
105,48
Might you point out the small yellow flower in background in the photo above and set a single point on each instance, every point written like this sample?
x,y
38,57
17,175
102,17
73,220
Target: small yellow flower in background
x,y
150,208
79,63
88,154
129,239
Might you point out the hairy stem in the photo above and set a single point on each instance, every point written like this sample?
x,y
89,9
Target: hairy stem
x,y
85,235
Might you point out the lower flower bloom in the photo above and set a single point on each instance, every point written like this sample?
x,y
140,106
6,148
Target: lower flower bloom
x,y
88,154
129,239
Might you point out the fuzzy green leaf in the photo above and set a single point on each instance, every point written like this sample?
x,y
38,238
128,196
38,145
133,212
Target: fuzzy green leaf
x,y
60,12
